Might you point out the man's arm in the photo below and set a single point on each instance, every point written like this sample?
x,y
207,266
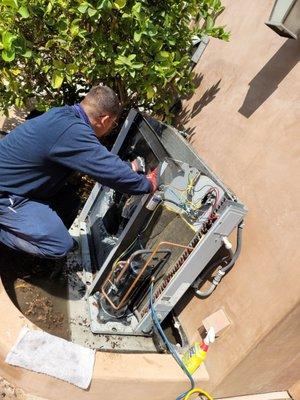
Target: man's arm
x,y
78,149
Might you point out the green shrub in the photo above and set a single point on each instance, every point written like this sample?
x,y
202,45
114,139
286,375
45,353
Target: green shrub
x,y
52,50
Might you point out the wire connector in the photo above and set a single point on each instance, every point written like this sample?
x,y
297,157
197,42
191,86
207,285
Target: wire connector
x,y
217,279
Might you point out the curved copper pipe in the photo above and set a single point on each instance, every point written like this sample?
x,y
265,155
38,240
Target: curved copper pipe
x,y
126,266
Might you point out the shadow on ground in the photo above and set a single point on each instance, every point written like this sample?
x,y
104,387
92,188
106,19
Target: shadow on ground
x,y
186,115
207,97
264,84
38,288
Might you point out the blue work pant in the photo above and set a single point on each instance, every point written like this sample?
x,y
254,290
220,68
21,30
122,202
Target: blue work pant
x,y
37,227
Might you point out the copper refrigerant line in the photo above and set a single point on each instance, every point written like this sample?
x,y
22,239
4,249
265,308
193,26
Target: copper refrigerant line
x,y
175,268
206,226
134,283
187,251
178,264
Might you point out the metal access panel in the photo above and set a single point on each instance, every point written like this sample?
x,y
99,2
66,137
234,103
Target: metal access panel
x,y
285,18
126,243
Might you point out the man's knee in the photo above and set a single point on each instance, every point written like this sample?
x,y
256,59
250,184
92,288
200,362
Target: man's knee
x,y
35,228
57,249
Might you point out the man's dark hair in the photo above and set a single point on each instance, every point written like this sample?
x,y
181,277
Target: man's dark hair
x,y
102,100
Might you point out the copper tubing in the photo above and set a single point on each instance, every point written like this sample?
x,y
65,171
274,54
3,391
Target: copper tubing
x,y
121,273
193,243
126,266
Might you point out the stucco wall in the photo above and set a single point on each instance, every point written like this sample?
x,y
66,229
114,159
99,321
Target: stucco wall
x,y
244,121
273,364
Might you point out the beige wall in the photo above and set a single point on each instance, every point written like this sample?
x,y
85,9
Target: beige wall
x,y
274,363
294,390
244,121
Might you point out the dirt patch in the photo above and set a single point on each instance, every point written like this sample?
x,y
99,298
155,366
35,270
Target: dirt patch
x,y
84,185
39,288
9,392
40,308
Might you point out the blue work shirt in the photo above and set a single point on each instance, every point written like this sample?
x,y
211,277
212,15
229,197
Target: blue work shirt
x,y
37,157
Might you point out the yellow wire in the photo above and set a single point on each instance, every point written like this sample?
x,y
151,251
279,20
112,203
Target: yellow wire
x,y
198,391
184,192
124,252
181,216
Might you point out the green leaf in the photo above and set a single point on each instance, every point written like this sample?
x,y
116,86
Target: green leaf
x,y
27,54
7,39
82,33
55,42
83,7
49,8
46,68
157,45
203,13
209,22
20,45
91,11
19,102
15,71
71,69
137,36
58,65
121,60
10,3
57,79
164,54
136,9
150,92
74,29
62,25
51,21
8,55
152,31
137,65
105,4
23,11
118,4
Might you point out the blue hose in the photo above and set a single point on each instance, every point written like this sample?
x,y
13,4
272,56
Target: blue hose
x,y
170,346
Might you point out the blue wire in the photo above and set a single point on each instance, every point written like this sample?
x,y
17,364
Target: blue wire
x,y
169,345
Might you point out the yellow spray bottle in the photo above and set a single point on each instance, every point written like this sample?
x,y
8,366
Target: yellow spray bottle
x,y
196,354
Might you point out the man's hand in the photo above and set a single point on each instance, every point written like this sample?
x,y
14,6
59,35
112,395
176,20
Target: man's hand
x,y
152,178
138,165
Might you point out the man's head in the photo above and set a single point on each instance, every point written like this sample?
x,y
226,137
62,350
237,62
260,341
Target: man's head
x,y
102,106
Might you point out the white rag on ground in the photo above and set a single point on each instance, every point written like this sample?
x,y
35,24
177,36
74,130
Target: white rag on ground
x,y
41,352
